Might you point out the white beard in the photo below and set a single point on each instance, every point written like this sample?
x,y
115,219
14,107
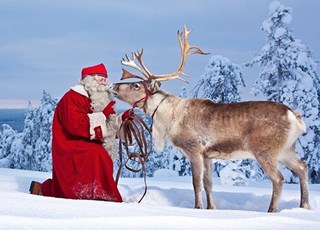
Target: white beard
x,y
100,97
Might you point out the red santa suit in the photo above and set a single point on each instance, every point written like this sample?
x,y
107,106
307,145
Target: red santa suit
x,y
82,169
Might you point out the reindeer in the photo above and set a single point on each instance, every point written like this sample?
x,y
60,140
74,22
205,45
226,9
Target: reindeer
x,y
203,130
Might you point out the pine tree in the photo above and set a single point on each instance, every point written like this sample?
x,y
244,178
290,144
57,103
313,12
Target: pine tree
x,y
288,75
42,134
22,154
7,138
220,83
30,149
28,130
1,143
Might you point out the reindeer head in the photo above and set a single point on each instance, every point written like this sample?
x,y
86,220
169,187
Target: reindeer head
x,y
136,92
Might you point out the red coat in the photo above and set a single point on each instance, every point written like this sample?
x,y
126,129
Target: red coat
x,y
82,169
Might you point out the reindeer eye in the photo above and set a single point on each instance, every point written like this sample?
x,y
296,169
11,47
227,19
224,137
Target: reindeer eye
x,y
135,86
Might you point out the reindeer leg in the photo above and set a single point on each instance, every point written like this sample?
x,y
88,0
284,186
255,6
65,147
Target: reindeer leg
x,y
270,167
300,168
191,149
197,178
277,184
207,183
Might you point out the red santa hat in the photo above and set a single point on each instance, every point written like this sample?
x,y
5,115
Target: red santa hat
x,y
99,69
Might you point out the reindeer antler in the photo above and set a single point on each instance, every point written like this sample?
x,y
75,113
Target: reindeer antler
x,y
186,50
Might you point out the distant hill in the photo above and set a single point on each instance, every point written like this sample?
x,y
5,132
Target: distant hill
x,y
13,117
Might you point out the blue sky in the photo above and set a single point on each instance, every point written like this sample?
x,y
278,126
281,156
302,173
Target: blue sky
x,y
45,44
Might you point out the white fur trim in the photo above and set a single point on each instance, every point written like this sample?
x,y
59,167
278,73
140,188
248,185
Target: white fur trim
x,y
80,89
96,120
298,122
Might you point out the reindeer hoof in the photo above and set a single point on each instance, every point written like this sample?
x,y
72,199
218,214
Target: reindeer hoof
x,y
211,207
272,210
305,205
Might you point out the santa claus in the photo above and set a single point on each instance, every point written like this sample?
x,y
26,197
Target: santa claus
x,y
83,141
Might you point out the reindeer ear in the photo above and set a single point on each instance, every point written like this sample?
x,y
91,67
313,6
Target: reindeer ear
x,y
126,75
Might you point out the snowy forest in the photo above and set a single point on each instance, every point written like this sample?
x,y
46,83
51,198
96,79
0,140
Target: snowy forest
x,y
287,74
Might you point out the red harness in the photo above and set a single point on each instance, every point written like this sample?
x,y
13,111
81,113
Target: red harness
x,y
144,99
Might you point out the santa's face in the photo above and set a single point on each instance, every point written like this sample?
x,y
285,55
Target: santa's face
x,y
101,80
98,91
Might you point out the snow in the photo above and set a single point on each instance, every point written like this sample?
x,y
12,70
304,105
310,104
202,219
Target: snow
x,y
266,26
167,205
302,59
274,5
279,32
286,19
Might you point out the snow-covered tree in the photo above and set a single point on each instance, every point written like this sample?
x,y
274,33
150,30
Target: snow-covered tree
x,y
288,75
42,135
23,153
30,149
221,82
236,172
28,131
7,138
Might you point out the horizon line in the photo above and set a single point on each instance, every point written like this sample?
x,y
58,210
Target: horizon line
x,y
17,103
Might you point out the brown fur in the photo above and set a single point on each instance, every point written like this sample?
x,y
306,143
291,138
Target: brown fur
x,y
202,130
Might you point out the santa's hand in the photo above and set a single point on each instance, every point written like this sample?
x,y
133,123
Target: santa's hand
x,y
128,114
109,109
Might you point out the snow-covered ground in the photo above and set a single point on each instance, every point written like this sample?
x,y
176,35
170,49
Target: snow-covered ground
x,y
167,205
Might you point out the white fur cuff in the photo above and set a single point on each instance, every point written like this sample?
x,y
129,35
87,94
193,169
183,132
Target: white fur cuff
x,y
97,119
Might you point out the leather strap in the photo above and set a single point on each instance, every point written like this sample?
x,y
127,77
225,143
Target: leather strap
x,y
135,130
